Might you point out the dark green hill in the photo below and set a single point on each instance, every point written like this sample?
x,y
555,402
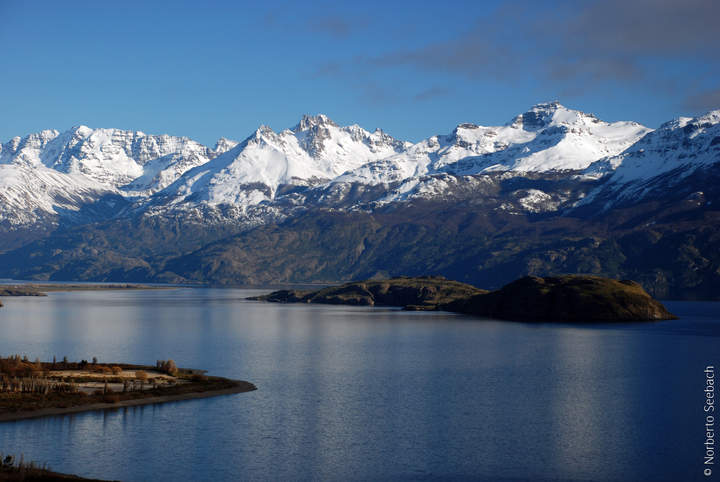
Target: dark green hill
x,y
566,299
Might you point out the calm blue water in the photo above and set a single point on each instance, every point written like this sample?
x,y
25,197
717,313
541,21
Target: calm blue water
x,y
356,393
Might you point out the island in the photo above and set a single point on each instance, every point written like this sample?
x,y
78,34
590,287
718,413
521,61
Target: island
x,y
35,389
567,298
419,293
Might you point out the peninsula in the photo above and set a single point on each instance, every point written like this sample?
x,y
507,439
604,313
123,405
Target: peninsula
x,y
36,389
569,298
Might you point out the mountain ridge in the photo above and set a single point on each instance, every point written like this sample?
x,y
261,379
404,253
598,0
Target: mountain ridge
x,y
553,190
152,170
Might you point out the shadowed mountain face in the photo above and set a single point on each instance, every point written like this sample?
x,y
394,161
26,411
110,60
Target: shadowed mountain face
x,y
553,191
674,252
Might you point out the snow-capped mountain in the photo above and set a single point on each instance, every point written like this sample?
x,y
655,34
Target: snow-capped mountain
x,y
318,163
50,172
549,137
660,160
31,194
315,151
115,159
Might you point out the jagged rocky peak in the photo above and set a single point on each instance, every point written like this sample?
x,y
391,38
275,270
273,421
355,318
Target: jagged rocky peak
x,y
546,114
264,130
223,145
379,139
261,134
312,131
466,134
538,117
37,140
309,121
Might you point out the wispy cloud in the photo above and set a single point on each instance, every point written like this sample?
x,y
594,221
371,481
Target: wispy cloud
x,y
377,94
330,68
580,44
431,93
335,25
624,41
475,53
571,49
704,101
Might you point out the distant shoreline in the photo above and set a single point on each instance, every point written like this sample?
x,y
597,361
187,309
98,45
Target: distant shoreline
x,y
41,289
92,287
242,387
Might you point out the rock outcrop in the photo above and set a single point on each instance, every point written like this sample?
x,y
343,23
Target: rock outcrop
x,y
425,292
572,298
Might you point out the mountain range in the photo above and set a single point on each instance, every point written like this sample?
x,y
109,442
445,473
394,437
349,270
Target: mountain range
x,y
553,190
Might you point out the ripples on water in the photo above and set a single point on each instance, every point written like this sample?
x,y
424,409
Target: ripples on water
x,y
358,393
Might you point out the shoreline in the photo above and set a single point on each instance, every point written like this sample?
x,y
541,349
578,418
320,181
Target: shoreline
x,y
43,287
242,387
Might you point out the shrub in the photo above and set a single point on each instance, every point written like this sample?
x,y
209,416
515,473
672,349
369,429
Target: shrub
x,y
141,375
116,370
168,367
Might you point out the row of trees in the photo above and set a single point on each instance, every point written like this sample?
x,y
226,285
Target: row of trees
x,y
15,366
34,385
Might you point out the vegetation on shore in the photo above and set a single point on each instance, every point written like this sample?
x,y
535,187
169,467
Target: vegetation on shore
x,y
31,386
571,298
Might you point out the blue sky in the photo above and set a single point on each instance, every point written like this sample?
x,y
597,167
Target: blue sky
x,y
211,69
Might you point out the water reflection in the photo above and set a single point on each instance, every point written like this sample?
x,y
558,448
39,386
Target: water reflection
x,y
355,393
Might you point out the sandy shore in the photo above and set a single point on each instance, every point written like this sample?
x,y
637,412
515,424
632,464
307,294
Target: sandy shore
x,y
46,412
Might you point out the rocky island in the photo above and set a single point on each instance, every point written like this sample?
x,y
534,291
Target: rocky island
x,y
570,298
421,293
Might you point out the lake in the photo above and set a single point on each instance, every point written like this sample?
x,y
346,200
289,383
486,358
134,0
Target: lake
x,y
355,393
